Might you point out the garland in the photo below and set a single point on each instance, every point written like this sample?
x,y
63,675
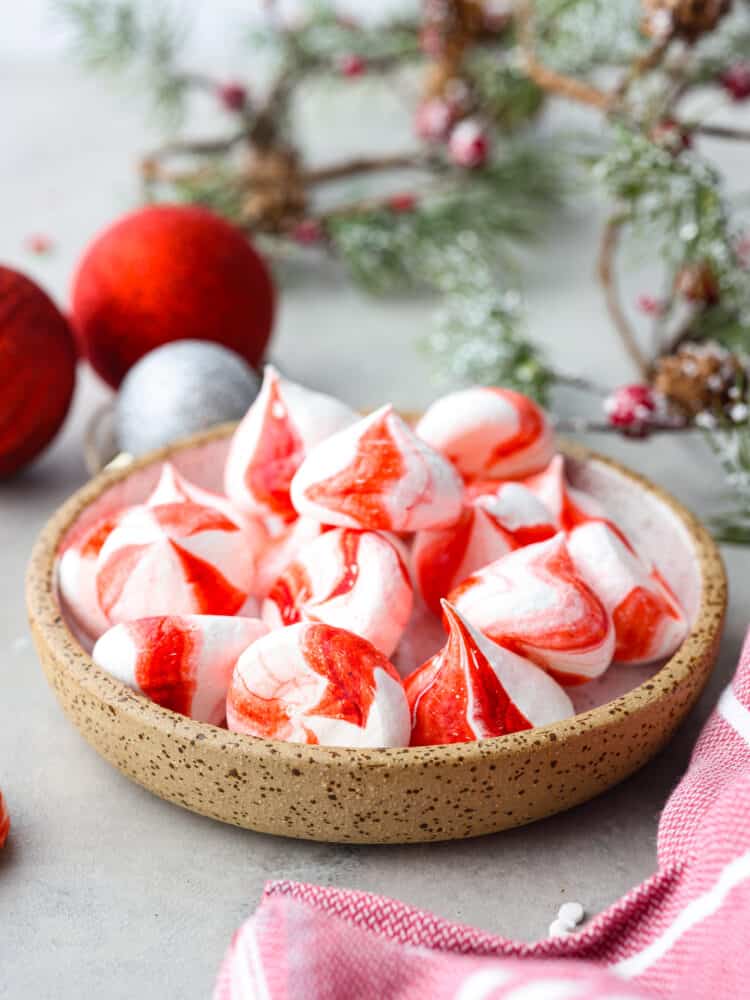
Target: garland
x,y
481,179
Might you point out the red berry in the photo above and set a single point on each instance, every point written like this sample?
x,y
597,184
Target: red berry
x,y
434,119
164,273
38,243
631,408
307,232
650,305
736,81
233,96
352,65
468,143
671,135
37,371
402,203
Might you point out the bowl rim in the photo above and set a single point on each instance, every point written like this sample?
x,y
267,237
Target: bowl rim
x,y
60,645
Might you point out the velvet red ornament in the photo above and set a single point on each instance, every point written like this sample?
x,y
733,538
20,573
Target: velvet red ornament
x,y
37,370
165,273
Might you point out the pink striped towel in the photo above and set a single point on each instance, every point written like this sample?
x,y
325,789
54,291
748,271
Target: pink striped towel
x,y
684,933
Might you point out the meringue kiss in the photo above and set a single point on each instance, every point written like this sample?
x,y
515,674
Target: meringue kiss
x,y
649,622
311,683
183,663
379,475
489,527
352,579
474,689
175,558
282,425
489,432
534,602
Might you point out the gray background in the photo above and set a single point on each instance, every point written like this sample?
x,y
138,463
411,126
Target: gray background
x,y
107,890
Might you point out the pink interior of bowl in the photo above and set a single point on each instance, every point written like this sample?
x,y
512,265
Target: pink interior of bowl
x,y
648,522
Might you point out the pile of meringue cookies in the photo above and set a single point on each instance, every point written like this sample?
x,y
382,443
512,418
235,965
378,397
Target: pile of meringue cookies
x,y
365,583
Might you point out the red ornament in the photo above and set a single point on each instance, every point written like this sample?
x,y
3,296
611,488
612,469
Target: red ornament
x,y
307,232
631,408
232,95
736,81
434,119
165,273
402,203
468,143
37,370
352,65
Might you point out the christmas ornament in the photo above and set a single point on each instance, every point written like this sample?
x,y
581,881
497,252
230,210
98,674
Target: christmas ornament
x,y
4,821
178,389
37,370
169,272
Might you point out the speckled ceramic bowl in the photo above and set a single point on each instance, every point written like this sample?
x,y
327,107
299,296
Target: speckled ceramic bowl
x,y
389,796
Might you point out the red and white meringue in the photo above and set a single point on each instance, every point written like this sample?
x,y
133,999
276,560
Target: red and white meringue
x,y
283,549
378,475
649,622
489,432
567,505
351,579
474,689
283,424
534,602
490,526
182,662
4,821
76,578
311,683
174,559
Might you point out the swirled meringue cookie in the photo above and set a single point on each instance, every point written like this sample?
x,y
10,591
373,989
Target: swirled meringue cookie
x,y
567,505
76,578
649,622
491,525
378,475
520,512
283,549
283,424
489,432
4,821
474,689
534,602
173,487
351,579
174,559
311,683
182,662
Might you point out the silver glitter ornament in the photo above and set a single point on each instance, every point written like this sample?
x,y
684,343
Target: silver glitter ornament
x,y
178,389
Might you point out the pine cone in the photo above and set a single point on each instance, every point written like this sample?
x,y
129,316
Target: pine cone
x,y
697,283
701,377
688,19
276,197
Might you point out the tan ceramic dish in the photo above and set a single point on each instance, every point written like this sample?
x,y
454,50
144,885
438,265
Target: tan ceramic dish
x,y
385,796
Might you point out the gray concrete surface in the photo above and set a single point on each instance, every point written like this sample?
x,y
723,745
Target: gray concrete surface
x,y
108,891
